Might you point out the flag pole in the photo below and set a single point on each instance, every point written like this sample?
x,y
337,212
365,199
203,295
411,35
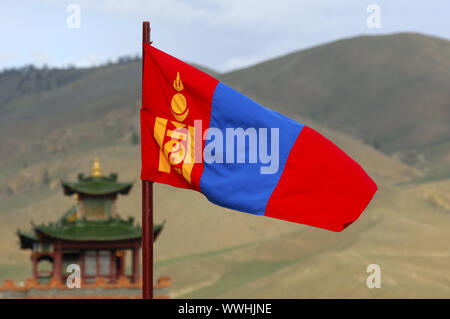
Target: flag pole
x,y
147,206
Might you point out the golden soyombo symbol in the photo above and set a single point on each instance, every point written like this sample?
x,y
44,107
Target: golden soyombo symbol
x,y
178,106
176,140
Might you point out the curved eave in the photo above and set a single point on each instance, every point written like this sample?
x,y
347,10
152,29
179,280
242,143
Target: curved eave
x,y
75,188
26,239
90,238
157,230
132,233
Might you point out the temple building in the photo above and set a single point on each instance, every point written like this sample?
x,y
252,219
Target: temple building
x,y
91,234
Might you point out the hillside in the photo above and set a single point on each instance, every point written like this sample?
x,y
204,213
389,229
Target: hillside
x,y
53,130
31,118
392,91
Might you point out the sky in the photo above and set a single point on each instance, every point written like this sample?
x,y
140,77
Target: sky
x,y
223,35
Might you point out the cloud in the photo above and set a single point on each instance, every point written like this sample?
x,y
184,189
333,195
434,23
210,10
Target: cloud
x,y
183,12
8,56
255,15
239,62
41,58
273,48
221,34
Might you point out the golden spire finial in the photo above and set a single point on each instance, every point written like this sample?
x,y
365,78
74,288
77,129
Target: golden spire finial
x,y
96,171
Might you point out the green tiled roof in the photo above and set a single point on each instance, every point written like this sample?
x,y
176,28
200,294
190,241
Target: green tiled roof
x,y
71,227
83,230
103,185
80,230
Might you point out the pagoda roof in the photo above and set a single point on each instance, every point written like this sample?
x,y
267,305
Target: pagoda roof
x,y
113,229
100,185
83,230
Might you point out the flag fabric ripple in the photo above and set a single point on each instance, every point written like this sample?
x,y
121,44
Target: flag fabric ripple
x,y
314,182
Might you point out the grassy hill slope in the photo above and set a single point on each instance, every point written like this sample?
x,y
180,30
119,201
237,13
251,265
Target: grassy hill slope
x,y
392,90
54,132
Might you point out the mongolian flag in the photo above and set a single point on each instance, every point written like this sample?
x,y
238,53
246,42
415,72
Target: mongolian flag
x,y
200,134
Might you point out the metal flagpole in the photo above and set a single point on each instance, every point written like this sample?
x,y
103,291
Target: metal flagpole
x,y
147,206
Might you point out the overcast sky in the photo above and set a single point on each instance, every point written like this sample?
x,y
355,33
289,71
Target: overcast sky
x,y
222,34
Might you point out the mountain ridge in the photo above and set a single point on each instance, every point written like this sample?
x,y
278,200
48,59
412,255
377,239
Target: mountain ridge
x,y
375,87
207,250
